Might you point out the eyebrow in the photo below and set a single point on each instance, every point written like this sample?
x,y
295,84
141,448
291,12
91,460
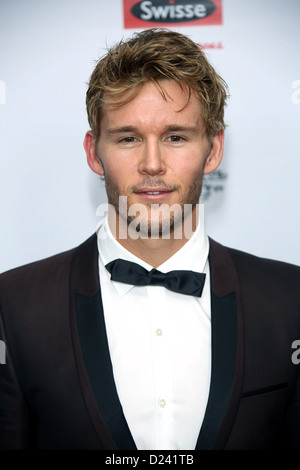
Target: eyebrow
x,y
176,128
169,128
120,130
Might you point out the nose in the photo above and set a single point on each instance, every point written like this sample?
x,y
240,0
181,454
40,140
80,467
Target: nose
x,y
152,162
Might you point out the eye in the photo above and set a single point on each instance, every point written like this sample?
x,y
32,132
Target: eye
x,y
127,140
176,138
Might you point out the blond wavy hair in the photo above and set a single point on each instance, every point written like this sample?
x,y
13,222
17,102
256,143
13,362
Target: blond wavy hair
x,y
155,55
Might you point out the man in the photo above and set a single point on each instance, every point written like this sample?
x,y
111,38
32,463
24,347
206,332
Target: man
x,y
150,335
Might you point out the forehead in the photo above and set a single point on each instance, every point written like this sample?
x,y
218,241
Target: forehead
x,y
154,103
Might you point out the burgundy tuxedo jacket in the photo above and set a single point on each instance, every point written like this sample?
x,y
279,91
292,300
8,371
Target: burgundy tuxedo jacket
x,y
57,389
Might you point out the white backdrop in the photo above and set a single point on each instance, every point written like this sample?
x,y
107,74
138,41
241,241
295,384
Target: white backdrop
x,y
48,194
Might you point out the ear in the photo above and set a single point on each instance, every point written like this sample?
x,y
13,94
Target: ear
x,y
93,160
216,153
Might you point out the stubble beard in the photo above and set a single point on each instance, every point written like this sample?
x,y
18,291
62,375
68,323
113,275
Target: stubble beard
x,y
171,219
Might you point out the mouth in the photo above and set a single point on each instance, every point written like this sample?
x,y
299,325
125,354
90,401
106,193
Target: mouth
x,y
153,194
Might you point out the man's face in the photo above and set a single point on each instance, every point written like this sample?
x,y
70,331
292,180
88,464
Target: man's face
x,y
154,151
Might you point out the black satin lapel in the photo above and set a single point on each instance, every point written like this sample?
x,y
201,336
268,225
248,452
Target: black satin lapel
x,y
224,318
95,351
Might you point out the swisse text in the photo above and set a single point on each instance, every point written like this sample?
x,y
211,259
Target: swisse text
x,y
170,13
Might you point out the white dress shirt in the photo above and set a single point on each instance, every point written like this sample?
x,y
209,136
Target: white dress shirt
x,y
160,346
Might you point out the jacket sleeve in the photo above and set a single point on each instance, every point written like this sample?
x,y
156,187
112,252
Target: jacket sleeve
x,y
16,423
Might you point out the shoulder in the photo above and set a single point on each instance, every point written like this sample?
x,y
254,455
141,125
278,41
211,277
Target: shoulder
x,y
258,272
51,270
249,264
247,261
37,269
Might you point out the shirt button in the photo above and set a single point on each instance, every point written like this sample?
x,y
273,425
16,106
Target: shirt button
x,y
158,332
162,403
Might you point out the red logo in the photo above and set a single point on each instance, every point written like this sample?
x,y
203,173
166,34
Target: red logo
x,y
164,13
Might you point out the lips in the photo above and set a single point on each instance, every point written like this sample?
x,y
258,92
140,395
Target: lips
x,y
153,193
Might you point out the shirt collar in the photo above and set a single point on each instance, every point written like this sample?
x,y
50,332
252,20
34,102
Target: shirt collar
x,y
192,256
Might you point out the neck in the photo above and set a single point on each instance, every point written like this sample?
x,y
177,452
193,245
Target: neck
x,y
154,251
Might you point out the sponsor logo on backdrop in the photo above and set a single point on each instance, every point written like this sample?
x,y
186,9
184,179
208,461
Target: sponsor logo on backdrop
x,y
151,13
212,45
213,183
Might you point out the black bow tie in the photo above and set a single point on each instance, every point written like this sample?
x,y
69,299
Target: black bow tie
x,y
184,282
